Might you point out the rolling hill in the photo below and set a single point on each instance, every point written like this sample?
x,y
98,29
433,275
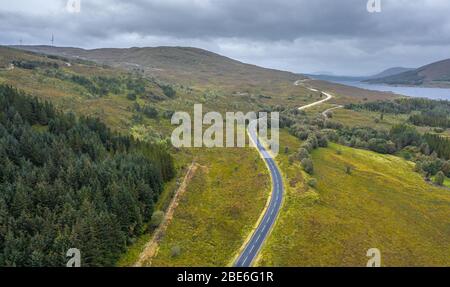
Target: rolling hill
x,y
176,64
436,74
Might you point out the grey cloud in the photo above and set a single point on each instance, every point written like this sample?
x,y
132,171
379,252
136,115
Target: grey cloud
x,y
300,35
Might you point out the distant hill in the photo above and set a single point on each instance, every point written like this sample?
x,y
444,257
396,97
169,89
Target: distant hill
x,y
385,73
391,72
434,75
176,64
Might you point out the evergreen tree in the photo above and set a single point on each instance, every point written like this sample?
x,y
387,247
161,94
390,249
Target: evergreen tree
x,y
75,184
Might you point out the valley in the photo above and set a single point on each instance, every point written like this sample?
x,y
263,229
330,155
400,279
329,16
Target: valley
x,y
356,175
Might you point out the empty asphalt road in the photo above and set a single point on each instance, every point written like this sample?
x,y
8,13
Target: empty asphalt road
x,y
252,248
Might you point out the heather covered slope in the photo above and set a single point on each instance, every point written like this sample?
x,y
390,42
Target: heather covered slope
x,y
179,64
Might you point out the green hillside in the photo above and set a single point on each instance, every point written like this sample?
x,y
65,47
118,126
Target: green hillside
x,y
381,204
191,67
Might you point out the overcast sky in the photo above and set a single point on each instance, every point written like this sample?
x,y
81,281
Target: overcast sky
x,y
336,36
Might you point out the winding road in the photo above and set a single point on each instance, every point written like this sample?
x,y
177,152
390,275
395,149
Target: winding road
x,y
328,97
325,113
252,248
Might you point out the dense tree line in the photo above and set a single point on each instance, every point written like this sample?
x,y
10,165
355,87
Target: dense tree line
x,y
401,105
431,119
132,85
168,91
100,86
68,182
31,65
439,145
314,133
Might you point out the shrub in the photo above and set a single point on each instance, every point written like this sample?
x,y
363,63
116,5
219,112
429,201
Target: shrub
x,y
302,154
431,165
168,91
157,218
381,146
168,114
439,179
404,135
175,251
348,169
406,155
446,168
439,130
150,112
312,182
308,166
322,140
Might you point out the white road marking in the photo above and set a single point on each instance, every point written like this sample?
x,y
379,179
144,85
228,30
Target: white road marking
x,y
268,218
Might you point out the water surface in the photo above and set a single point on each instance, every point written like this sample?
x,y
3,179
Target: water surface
x,y
431,93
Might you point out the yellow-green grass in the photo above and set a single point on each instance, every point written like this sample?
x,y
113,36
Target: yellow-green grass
x,y
447,182
319,109
367,119
218,210
382,204
131,256
353,118
432,130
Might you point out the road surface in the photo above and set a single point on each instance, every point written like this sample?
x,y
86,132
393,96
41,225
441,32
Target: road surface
x,y
257,239
325,113
328,97
252,248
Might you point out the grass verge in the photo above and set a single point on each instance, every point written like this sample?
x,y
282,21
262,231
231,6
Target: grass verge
x,y
221,204
381,204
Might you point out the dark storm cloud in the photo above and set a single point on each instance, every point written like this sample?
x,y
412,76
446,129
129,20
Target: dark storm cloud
x,y
272,20
301,35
